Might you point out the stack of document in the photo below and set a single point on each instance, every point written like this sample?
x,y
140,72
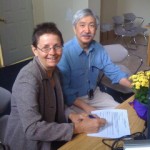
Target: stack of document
x,y
117,123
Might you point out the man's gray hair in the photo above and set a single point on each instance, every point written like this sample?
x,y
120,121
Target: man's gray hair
x,y
82,13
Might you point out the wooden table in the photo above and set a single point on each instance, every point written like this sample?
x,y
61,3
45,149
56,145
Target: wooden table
x,y
148,48
84,142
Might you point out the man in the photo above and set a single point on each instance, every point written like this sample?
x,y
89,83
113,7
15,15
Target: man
x,y
81,62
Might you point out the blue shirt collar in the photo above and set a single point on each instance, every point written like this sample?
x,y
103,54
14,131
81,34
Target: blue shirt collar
x,y
80,49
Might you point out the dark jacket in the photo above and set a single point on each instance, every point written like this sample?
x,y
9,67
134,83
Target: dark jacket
x,y
37,111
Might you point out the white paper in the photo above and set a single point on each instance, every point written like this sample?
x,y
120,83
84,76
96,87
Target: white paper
x,y
117,123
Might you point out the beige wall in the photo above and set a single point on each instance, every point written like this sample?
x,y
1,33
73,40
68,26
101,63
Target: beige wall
x,y
58,10
139,7
38,11
108,9
61,12
96,6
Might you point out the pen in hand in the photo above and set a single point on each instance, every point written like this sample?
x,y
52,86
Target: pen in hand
x,y
91,116
103,121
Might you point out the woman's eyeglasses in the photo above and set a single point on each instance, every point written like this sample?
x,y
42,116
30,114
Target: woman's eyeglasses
x,y
56,48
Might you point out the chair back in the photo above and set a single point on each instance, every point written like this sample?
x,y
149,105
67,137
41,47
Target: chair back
x,y
129,16
116,52
5,97
121,29
132,19
118,20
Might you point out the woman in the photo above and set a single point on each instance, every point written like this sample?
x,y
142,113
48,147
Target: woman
x,y
37,107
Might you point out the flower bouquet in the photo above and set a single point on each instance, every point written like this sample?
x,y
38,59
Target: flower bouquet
x,y
140,83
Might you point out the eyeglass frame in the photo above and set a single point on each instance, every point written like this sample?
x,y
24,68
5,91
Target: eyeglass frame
x,y
56,48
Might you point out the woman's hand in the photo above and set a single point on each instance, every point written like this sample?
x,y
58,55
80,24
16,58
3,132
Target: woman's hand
x,y
74,117
88,124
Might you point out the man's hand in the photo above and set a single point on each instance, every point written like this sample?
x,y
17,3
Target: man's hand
x,y
125,82
82,105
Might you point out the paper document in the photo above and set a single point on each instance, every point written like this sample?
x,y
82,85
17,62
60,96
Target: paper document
x,y
117,123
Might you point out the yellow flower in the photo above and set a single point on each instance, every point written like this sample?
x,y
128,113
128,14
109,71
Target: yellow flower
x,y
140,82
147,73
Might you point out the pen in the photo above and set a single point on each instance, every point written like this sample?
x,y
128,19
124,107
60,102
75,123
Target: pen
x,y
91,116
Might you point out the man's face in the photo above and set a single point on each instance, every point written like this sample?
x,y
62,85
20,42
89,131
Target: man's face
x,y
85,30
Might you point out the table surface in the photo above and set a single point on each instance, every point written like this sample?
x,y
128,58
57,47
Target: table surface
x,y
84,142
147,26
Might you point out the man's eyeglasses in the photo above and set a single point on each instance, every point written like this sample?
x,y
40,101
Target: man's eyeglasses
x,y
56,48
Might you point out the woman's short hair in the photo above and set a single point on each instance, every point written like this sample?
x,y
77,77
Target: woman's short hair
x,y
45,28
82,13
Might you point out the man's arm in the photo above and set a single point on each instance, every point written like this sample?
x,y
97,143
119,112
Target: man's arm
x,y
82,105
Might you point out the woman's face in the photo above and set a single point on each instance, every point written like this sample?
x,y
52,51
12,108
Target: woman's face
x,y
49,50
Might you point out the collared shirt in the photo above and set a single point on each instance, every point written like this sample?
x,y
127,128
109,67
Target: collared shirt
x,y
80,69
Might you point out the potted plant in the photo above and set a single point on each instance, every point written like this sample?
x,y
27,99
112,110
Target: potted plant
x,y
140,85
